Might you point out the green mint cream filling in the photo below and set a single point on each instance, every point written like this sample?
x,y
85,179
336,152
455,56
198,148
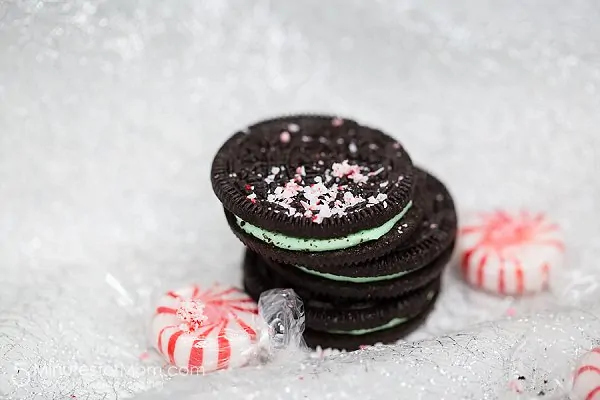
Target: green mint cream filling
x,y
302,244
391,324
353,279
394,322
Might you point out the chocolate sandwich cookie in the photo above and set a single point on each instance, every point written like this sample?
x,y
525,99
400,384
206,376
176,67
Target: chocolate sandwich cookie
x,y
435,235
349,324
312,188
354,340
409,267
359,288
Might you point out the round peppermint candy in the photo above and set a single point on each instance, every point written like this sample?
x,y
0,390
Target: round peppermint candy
x,y
205,329
510,253
586,380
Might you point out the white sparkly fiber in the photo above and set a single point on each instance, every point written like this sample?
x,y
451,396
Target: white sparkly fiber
x,y
110,114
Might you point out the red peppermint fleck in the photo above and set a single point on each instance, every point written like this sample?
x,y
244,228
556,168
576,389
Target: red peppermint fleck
x,y
248,187
337,122
252,197
284,137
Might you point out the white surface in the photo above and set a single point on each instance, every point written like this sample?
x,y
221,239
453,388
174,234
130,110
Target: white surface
x,y
110,113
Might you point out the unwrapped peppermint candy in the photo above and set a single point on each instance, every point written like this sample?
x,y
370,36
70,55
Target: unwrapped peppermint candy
x,y
510,253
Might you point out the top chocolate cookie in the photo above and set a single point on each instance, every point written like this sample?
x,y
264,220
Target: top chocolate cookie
x,y
312,176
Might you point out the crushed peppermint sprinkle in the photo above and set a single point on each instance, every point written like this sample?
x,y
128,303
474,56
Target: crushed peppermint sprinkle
x,y
337,122
191,312
323,196
375,200
351,171
380,170
352,147
285,137
293,128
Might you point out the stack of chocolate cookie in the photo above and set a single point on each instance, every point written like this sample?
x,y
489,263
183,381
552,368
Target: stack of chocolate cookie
x,y
338,212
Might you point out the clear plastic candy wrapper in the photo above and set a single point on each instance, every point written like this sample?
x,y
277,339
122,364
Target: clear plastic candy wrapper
x,y
282,311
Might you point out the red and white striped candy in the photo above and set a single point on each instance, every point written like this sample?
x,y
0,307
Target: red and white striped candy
x,y
586,380
203,330
510,253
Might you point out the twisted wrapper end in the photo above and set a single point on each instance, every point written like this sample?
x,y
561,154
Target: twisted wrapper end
x,y
280,327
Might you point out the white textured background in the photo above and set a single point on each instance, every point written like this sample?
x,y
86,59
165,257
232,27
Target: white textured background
x,y
110,112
